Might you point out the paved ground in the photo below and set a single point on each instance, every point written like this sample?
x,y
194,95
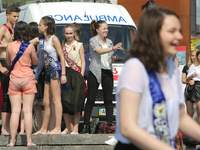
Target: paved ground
x,y
68,142
60,142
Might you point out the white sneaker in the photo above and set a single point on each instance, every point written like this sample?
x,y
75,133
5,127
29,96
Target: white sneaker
x,y
112,141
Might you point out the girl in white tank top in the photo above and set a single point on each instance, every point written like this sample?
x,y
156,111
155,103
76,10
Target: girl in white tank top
x,y
50,49
53,48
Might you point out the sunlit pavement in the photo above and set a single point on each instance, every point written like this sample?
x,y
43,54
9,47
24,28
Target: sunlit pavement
x,y
61,142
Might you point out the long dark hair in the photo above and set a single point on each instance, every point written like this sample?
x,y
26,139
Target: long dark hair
x,y
147,45
149,4
21,32
33,30
50,22
95,25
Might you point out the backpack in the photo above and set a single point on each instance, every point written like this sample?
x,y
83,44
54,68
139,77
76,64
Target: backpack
x,y
107,128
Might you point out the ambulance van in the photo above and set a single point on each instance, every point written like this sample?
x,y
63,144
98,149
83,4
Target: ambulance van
x,y
120,24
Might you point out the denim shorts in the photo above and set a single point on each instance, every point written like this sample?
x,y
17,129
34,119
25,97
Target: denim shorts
x,y
50,74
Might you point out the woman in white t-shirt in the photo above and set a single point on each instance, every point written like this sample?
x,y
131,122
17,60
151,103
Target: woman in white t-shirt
x,y
149,94
189,85
194,74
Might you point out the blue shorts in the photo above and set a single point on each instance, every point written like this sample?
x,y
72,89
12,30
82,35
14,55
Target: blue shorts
x,y
50,74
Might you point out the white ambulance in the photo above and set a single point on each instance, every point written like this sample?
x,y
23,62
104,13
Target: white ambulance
x,y
121,29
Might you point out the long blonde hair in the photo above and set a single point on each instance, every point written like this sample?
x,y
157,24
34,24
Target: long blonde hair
x,y
65,40
196,61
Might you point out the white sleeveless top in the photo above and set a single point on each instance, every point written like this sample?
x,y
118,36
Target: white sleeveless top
x,y
50,49
74,52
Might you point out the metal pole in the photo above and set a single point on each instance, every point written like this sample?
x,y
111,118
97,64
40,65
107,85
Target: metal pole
x,y
0,5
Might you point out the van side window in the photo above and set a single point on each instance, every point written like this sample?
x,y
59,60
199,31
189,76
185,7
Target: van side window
x,y
117,33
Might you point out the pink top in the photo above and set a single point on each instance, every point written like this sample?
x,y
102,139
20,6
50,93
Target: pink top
x,y
22,67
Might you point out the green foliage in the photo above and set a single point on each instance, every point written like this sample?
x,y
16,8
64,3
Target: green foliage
x,y
10,2
22,2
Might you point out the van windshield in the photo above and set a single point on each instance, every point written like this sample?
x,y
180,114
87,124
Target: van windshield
x,y
116,33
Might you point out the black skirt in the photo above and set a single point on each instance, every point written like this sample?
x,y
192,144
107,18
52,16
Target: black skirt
x,y
188,91
195,93
73,99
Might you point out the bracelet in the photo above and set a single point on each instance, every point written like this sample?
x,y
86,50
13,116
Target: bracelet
x,y
112,48
63,75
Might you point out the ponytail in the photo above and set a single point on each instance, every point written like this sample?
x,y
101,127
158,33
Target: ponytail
x,y
95,25
50,22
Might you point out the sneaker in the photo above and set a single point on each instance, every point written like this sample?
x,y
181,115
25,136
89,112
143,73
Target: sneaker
x,y
112,141
86,130
93,125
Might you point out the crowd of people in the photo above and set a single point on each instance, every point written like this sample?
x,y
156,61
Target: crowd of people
x,y
46,72
36,69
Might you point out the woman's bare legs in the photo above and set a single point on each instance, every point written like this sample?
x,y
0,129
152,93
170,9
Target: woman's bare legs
x,y
46,103
76,120
71,117
198,110
39,117
22,129
189,106
56,98
67,130
15,101
52,121
5,117
28,118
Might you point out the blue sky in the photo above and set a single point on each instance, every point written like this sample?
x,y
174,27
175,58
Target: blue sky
x,y
198,11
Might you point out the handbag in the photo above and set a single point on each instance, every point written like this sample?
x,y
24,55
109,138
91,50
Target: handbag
x,y
107,128
178,141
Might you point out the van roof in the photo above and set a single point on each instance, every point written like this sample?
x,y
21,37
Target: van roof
x,y
80,12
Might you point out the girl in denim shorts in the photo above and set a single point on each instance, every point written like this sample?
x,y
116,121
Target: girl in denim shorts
x,y
51,50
